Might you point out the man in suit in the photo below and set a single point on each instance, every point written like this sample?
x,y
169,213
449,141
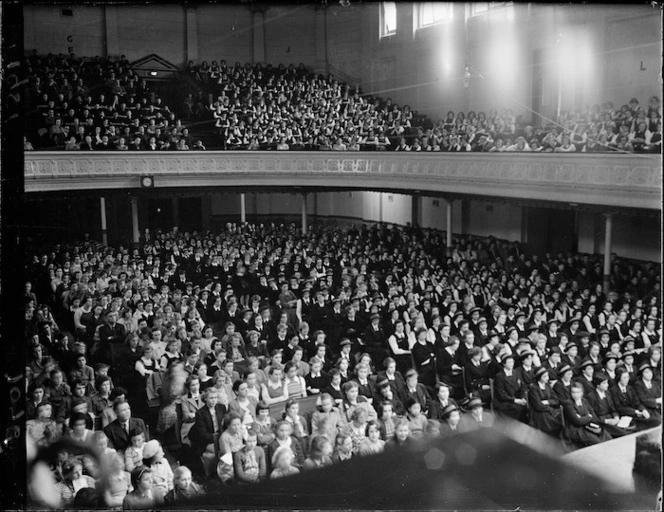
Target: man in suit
x,y
118,430
111,336
207,428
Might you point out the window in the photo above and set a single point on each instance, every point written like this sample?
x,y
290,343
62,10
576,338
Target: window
x,y
388,19
482,7
432,13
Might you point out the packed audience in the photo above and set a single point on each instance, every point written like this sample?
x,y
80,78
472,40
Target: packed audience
x,y
281,108
85,104
202,360
101,104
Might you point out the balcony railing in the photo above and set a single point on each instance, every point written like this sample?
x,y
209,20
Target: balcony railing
x,y
631,181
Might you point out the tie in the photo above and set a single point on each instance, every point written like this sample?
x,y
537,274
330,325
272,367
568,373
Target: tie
x,y
126,427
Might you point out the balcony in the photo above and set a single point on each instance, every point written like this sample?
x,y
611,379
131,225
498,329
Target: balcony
x,y
624,181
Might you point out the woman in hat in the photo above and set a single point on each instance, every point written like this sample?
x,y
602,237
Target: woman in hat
x,y
601,401
628,359
586,376
562,388
582,426
571,356
544,406
610,365
510,392
451,417
649,392
477,417
424,357
477,376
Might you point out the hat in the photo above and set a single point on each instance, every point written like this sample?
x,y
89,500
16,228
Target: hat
x,y
410,373
345,341
628,353
602,332
532,327
526,353
507,356
449,410
586,362
644,366
564,369
540,371
583,334
482,319
458,313
555,350
375,316
570,345
510,330
493,333
473,402
611,355
600,377
520,314
475,310
150,449
552,321
628,338
383,383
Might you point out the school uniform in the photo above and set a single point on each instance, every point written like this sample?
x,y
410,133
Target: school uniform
x,y
544,417
577,419
507,389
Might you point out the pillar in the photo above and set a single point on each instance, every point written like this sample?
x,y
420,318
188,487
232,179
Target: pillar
x,y
135,237
104,232
192,34
175,206
607,251
243,208
416,209
448,230
304,214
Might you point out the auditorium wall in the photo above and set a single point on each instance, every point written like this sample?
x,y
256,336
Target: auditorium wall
x,y
224,33
634,237
516,53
